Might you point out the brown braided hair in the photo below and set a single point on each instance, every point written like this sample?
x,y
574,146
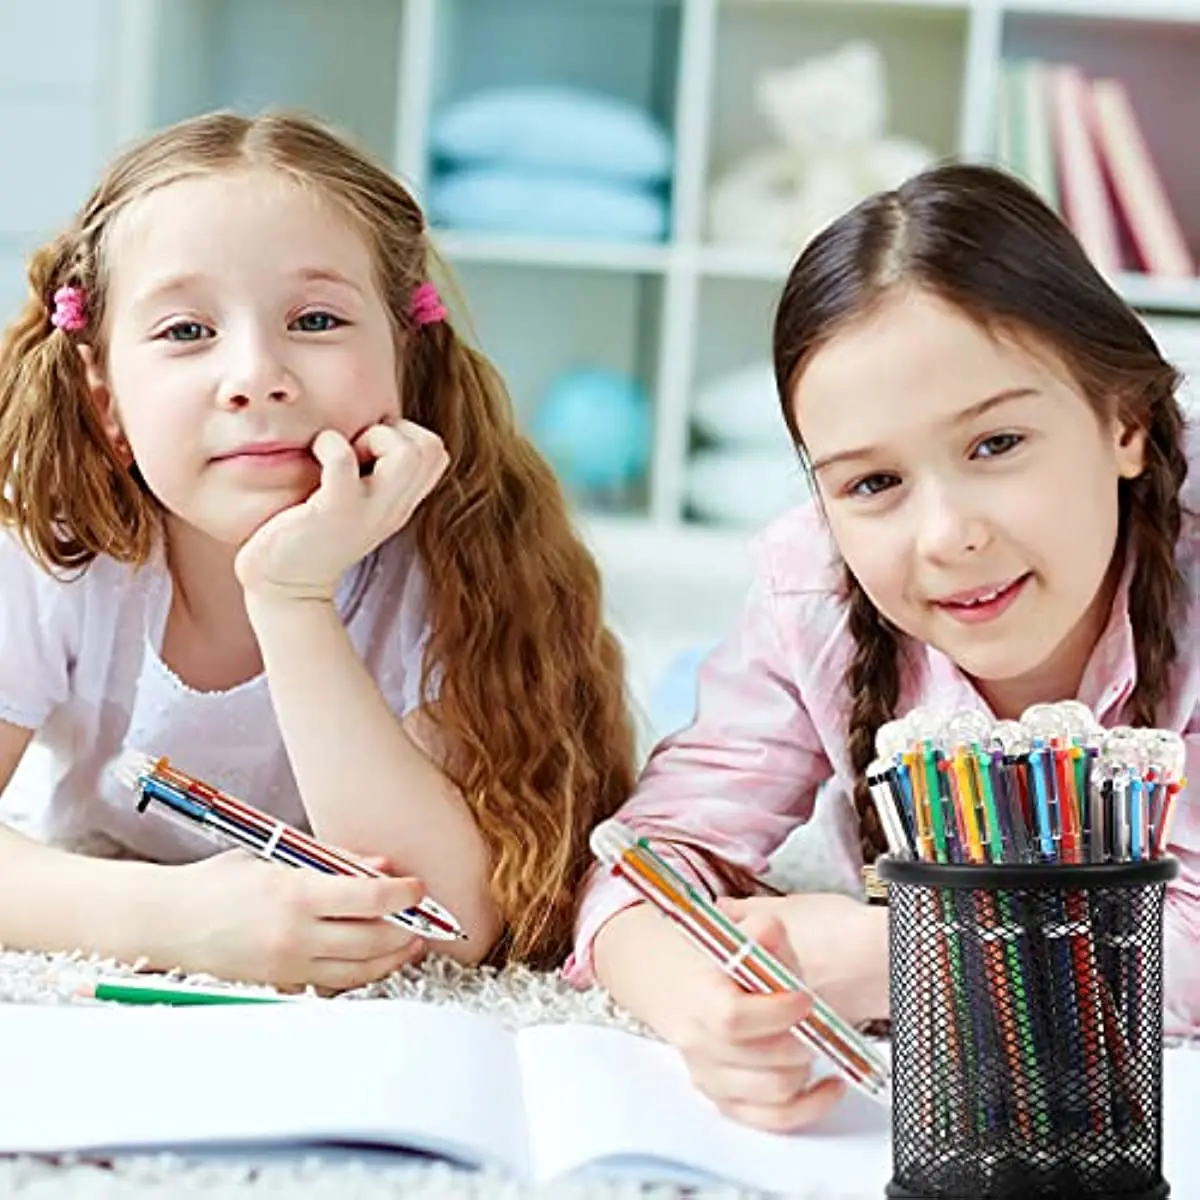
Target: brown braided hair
x,y
982,241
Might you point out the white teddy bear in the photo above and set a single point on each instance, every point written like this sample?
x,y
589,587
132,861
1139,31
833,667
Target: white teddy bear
x,y
830,113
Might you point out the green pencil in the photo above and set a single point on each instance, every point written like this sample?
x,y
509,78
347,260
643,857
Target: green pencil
x,y
135,991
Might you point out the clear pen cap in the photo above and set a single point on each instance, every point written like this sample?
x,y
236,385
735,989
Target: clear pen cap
x,y
610,840
1165,750
892,738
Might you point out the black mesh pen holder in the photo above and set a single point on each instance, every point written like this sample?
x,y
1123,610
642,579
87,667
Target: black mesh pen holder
x,y
1026,1030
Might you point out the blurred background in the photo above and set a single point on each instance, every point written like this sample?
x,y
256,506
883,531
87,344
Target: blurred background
x,y
620,186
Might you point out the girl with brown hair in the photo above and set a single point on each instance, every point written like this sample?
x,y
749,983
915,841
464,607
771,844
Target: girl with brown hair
x,y
266,513
997,453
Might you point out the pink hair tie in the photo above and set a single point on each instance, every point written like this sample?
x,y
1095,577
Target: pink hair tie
x,y
426,307
70,309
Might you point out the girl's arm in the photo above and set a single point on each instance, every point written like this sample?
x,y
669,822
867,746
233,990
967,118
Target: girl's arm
x,y
1182,918
736,782
369,782
52,900
231,915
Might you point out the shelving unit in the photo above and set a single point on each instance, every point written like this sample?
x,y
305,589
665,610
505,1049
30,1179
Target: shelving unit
x,y
677,313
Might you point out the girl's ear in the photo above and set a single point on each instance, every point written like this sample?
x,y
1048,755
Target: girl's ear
x,y
106,409
1129,448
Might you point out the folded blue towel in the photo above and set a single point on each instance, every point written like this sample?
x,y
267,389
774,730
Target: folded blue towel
x,y
563,129
507,201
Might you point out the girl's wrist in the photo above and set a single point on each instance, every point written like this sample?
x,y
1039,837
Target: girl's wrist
x,y
271,611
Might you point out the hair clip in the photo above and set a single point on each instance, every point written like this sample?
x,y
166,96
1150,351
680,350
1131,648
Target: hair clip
x,y
70,309
426,307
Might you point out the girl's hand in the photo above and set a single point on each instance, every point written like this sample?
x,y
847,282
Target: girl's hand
x,y
240,918
737,1045
369,489
839,943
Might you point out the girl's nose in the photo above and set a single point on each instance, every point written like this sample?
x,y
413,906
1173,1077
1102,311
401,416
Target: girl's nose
x,y
257,373
951,530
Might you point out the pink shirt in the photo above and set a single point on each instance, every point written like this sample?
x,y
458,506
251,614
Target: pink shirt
x,y
770,729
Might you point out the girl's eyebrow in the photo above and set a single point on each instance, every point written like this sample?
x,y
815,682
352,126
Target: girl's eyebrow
x,y
970,413
172,285
327,275
168,286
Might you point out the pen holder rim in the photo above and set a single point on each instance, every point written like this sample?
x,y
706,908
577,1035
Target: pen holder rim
x,y
1056,876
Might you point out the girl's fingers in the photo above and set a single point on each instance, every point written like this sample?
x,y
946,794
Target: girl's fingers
x,y
340,481
762,926
378,441
801,1111
360,896
769,1087
359,941
737,908
406,440
782,1051
407,461
337,975
733,1016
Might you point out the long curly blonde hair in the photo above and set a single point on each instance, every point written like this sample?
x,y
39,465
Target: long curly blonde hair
x,y
531,691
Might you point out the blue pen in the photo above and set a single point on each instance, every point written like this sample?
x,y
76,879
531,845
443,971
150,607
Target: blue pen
x,y
904,782
1041,801
1137,821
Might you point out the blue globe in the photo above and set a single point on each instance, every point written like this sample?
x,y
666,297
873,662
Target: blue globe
x,y
595,428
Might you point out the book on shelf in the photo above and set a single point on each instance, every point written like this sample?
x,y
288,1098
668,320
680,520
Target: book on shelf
x,y
1141,199
1086,205
1079,142
1029,152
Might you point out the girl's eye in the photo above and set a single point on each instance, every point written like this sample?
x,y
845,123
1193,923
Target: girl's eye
x,y
317,322
997,444
186,331
872,485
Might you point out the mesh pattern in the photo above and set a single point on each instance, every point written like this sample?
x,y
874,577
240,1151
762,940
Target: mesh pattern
x,y
1027,1042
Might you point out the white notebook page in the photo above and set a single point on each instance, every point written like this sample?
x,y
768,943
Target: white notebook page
x,y
99,1077
601,1094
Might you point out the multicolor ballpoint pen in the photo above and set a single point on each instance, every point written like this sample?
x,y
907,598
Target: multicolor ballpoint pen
x,y
236,823
749,965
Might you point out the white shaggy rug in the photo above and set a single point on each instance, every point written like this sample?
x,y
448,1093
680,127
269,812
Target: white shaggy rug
x,y
517,995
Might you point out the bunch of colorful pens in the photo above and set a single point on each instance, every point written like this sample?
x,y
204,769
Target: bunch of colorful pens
x,y
747,963
1061,980
1051,788
235,823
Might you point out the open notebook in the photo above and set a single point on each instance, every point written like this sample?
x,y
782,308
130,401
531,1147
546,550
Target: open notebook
x,y
545,1102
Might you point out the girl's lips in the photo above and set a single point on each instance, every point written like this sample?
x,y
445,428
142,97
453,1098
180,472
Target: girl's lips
x,y
987,606
265,454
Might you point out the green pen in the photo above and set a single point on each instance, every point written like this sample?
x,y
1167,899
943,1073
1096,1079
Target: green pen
x,y
983,776
933,783
135,991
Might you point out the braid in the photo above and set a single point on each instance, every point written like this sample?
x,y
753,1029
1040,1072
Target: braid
x,y
1154,515
873,682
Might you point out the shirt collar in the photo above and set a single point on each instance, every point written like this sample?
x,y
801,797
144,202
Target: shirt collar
x,y
1111,670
